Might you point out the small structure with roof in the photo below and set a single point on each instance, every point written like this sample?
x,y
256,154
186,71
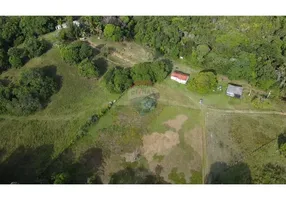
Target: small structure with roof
x,y
234,90
64,25
180,77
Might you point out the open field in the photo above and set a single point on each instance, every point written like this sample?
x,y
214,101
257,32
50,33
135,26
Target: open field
x,y
160,142
241,142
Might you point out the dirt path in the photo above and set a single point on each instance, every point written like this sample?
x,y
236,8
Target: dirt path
x,y
248,111
93,45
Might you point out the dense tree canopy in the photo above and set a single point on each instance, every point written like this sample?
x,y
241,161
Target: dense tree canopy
x,y
118,79
75,52
250,48
37,25
203,83
151,71
15,30
16,57
35,47
28,95
88,69
112,32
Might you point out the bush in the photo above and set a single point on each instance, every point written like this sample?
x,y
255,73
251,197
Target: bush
x,y
88,69
30,94
35,47
61,178
259,102
118,80
75,52
16,57
151,71
203,83
146,104
112,32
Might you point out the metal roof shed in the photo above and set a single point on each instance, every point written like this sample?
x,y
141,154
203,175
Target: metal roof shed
x,y
234,91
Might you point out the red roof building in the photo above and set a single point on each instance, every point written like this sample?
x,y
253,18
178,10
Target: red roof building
x,y
180,77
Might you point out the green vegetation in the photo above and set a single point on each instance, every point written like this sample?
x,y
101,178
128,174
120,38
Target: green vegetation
x,y
88,69
118,79
29,95
253,139
151,71
176,177
112,32
16,57
35,47
145,104
61,178
76,52
204,82
271,174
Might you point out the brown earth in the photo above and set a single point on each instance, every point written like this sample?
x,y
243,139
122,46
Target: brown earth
x,y
177,122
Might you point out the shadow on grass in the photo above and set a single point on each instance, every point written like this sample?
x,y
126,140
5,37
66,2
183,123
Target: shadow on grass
x,y
102,65
25,164
84,169
221,173
51,71
281,139
138,175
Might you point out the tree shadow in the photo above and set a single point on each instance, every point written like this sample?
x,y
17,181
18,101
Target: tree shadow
x,y
51,71
281,139
221,173
101,64
2,153
138,175
84,169
25,164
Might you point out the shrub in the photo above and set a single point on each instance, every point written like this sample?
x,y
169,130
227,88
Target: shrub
x,y
35,47
75,52
203,83
118,80
88,69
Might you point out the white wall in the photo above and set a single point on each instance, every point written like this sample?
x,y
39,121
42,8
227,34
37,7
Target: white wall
x,y
179,80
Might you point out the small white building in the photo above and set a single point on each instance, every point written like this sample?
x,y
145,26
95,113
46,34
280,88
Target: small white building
x,y
64,25
180,77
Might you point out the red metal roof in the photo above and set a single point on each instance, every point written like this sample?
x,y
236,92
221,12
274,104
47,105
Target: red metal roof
x,y
180,75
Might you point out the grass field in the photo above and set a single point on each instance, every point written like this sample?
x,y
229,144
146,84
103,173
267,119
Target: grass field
x,y
123,131
242,141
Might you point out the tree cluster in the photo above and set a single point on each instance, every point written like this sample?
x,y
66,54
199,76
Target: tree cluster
x,y
80,54
119,79
29,94
15,30
203,82
250,48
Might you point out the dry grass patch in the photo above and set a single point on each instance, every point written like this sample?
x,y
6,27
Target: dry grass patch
x,y
158,143
195,140
177,122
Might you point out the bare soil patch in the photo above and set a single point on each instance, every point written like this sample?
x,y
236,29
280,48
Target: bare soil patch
x,y
177,122
158,143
